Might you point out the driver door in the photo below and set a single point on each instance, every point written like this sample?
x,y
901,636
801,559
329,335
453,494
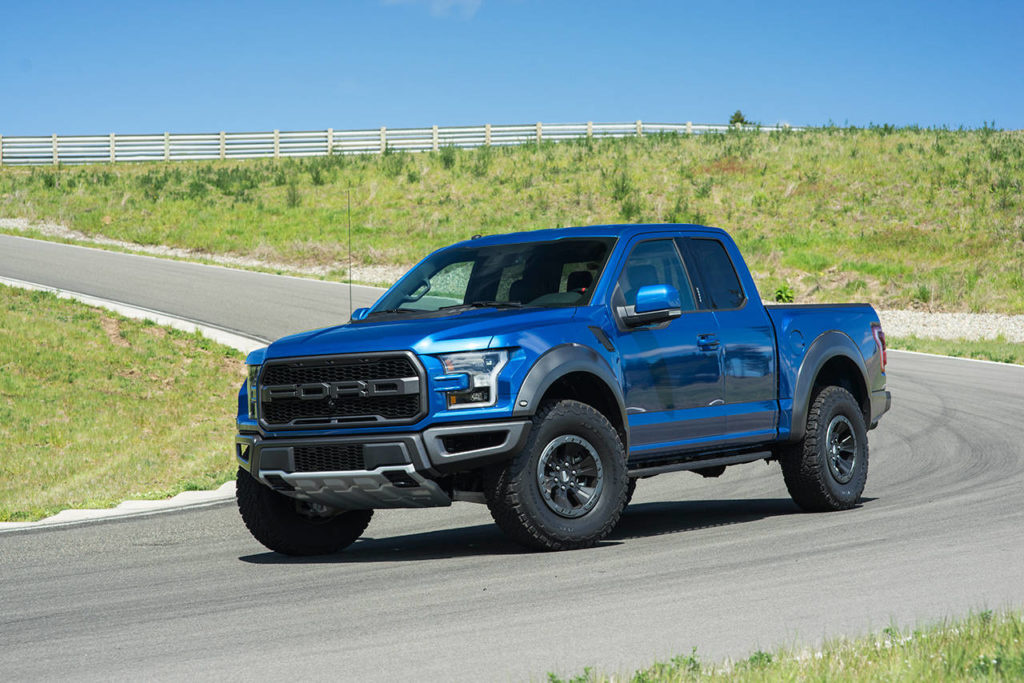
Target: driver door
x,y
672,370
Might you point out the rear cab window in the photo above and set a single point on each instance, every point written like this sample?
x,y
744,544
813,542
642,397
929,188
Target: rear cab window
x,y
714,275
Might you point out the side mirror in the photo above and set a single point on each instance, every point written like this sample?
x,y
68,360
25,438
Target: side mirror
x,y
654,304
360,314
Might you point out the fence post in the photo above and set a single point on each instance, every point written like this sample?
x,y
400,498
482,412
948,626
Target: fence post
x,y
167,146
487,134
277,143
689,127
590,129
330,141
383,139
113,148
1,150
223,145
56,161
540,132
434,137
639,128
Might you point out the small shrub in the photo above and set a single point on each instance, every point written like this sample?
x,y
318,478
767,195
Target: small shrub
x,y
448,155
292,197
784,294
923,293
738,117
622,187
482,162
196,189
703,188
316,175
393,163
632,208
688,663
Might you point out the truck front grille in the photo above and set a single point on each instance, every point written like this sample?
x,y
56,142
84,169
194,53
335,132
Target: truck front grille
x,y
353,390
329,458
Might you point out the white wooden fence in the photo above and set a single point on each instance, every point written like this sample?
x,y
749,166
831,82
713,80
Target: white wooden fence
x,y
87,149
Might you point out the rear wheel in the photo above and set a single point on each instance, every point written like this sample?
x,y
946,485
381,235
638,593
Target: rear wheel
x,y
827,470
567,487
294,527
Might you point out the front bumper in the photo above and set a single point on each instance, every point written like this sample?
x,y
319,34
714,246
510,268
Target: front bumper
x,y
397,470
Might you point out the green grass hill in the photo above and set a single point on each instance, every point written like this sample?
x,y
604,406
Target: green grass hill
x,y
900,217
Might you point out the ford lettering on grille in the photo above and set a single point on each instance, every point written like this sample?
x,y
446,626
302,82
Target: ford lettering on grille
x,y
341,390
319,391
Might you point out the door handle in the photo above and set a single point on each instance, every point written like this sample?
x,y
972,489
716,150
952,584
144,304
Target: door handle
x,y
707,342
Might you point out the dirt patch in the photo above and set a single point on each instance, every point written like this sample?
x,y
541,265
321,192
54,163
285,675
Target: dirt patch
x,y
726,166
112,328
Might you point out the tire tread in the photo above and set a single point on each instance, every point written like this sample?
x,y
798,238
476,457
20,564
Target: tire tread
x,y
803,469
505,497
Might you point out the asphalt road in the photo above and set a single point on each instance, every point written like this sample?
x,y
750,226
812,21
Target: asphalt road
x,y
726,566
256,304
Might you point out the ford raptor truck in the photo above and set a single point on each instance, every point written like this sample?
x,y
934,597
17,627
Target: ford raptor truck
x,y
543,373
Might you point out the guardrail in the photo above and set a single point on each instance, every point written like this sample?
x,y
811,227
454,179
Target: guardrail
x,y
91,149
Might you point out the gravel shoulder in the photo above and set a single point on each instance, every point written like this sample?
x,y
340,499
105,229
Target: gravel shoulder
x,y
953,325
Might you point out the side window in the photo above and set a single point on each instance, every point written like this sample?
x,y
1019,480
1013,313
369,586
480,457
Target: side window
x,y
655,263
718,285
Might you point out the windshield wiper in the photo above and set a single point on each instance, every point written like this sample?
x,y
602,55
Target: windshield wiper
x,y
484,304
396,310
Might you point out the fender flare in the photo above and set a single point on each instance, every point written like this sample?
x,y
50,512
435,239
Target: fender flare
x,y
827,346
559,362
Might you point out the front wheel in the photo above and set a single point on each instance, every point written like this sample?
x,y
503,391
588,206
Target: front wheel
x,y
567,487
293,527
827,470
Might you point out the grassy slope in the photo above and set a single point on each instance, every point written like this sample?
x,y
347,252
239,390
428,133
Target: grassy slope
x,y
983,646
899,217
97,408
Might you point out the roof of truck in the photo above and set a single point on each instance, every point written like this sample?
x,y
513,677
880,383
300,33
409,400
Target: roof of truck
x,y
617,230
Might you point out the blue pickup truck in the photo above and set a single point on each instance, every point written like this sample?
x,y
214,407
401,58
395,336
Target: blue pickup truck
x,y
543,373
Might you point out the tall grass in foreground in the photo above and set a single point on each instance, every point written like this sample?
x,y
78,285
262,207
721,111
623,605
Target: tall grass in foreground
x,y
984,646
96,408
902,217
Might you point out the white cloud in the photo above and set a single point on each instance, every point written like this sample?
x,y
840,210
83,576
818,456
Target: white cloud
x,y
443,8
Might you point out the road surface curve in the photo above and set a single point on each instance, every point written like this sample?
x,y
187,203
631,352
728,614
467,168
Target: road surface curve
x,y
726,566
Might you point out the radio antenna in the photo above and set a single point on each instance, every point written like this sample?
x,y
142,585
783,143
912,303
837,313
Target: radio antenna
x,y
350,252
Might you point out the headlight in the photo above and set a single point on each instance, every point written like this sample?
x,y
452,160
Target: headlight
x,y
251,388
481,368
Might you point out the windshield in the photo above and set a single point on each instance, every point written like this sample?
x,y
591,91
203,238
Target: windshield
x,y
557,273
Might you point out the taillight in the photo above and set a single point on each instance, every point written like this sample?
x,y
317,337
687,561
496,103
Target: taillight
x,y
876,329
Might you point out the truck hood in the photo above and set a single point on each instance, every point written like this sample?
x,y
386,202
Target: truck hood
x,y
467,331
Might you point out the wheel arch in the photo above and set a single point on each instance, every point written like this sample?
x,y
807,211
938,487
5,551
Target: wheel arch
x,y
833,359
574,371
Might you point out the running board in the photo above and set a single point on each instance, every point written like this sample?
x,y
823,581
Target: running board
x,y
700,463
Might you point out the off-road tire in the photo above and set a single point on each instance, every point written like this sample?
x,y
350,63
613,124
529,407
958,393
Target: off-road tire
x,y
813,484
276,521
514,494
630,490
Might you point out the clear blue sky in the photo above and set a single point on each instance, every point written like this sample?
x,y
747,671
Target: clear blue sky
x,y
76,67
